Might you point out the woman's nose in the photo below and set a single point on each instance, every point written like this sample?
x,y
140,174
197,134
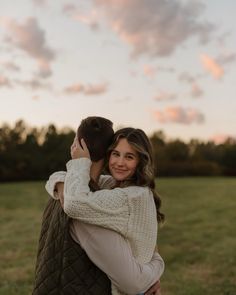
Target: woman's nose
x,y
120,161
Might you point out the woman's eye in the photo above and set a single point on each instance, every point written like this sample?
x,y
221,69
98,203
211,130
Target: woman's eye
x,y
115,154
130,157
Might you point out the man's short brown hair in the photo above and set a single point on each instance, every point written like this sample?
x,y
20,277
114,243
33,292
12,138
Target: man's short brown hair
x,y
98,135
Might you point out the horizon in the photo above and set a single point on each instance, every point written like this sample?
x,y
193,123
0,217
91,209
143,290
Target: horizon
x,y
167,139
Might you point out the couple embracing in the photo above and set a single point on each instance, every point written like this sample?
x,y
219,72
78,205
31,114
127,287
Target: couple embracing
x,y
99,231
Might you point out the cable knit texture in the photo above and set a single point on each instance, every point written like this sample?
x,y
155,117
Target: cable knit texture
x,y
56,177
129,211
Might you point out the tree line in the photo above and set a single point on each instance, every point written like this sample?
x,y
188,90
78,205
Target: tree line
x,y
29,153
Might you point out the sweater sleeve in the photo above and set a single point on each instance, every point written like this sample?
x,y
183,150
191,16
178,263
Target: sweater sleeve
x,y
52,181
106,208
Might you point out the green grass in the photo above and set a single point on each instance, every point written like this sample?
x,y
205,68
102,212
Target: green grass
x,y
20,219
197,241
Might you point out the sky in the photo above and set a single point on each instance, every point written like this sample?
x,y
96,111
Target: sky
x,y
165,65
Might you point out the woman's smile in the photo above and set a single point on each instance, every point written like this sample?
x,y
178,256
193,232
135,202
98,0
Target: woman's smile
x,y
123,160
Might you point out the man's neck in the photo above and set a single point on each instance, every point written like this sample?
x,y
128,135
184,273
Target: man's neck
x,y
96,170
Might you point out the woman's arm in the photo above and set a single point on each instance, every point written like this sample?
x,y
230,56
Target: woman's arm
x,y
114,257
51,184
107,208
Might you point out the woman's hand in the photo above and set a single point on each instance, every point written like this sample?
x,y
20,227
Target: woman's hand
x,y
79,151
155,289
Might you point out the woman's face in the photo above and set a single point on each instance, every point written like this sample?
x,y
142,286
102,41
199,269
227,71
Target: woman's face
x,y
123,160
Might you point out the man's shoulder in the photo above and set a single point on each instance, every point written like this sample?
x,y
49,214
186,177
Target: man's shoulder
x,y
106,181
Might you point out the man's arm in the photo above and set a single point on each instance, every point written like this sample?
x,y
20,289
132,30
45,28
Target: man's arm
x,y
112,254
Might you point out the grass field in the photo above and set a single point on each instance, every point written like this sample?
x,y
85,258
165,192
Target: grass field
x,y
197,241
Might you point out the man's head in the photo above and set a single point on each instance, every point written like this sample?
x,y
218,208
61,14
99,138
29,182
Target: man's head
x,y
98,135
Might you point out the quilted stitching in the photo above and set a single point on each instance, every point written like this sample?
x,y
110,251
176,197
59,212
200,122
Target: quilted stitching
x,y
62,266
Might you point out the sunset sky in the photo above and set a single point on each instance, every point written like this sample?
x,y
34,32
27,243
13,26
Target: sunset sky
x,y
165,65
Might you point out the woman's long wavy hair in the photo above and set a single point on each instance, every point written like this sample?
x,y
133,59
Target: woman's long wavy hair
x,y
144,175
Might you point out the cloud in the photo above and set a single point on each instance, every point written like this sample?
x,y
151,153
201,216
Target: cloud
x,y
179,115
45,69
30,38
40,2
95,89
164,96
220,138
226,58
196,91
166,69
149,70
10,66
186,77
155,27
88,18
211,65
34,84
222,38
35,97
4,81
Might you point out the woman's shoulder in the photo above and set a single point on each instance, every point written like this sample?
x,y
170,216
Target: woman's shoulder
x,y
138,191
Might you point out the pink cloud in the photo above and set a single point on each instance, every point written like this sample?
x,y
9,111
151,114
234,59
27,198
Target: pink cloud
x,y
35,97
155,28
4,82
89,18
95,89
89,89
220,138
30,38
73,89
149,71
179,115
212,66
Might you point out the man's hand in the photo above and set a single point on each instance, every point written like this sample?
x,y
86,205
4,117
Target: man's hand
x,y
155,289
79,151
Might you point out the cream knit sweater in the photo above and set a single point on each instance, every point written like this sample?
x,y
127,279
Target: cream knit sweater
x,y
130,211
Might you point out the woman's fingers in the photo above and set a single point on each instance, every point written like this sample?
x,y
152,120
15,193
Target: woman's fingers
x,y
155,289
79,150
84,146
74,143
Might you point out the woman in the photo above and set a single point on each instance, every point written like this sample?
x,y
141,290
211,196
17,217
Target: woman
x,y
132,207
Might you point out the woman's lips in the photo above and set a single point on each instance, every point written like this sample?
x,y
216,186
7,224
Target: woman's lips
x,y
119,170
